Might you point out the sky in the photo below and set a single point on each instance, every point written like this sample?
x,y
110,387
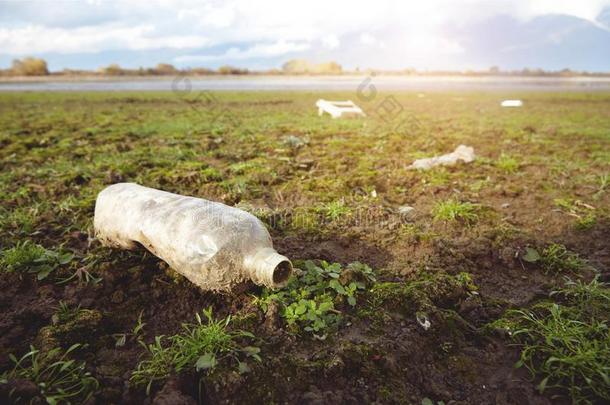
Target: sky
x,y
263,34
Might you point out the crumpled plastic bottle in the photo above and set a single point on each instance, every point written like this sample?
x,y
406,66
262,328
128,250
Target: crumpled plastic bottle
x,y
213,245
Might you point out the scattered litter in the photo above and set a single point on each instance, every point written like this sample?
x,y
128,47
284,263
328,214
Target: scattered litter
x,y
295,142
338,109
406,211
505,205
423,320
512,103
462,152
213,245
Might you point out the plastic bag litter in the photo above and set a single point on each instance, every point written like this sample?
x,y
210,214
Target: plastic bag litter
x,y
511,103
338,109
462,152
213,245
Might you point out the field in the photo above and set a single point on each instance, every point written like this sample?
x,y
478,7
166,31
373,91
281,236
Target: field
x,y
489,289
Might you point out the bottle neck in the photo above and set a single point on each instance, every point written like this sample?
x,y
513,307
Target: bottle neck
x,y
269,268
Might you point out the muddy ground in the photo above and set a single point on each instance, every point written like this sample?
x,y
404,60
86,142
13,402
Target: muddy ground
x,y
328,190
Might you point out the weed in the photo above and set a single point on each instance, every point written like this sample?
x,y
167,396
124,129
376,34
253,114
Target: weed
x,y
566,342
335,210
210,174
32,258
587,221
64,313
57,377
554,258
452,210
201,346
480,184
136,333
507,164
586,218
557,258
603,180
22,220
421,294
308,301
437,177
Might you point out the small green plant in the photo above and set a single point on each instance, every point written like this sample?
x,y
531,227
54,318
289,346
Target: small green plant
x,y
335,210
554,258
136,333
58,378
210,174
584,213
587,221
603,181
32,258
566,342
308,301
452,210
21,220
64,313
201,346
507,164
438,176
557,258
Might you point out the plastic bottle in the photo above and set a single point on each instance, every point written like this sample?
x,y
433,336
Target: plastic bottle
x,y
213,245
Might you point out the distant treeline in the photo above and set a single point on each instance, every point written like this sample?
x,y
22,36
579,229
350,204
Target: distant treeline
x,y
38,67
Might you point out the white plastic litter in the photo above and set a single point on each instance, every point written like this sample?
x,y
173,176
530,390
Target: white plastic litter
x,y
338,109
406,211
213,245
462,152
512,103
423,320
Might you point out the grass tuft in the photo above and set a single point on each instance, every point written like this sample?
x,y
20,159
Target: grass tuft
x,y
566,342
557,258
32,258
507,164
58,378
200,346
453,210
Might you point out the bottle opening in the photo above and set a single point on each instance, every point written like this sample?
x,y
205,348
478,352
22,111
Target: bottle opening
x,y
282,273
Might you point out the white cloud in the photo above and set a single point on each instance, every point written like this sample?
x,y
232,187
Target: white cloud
x,y
407,30
263,50
331,42
34,39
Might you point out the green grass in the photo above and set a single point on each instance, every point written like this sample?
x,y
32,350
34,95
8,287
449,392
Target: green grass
x,y
453,210
65,313
58,378
585,214
507,163
32,258
200,346
565,342
422,293
335,210
557,258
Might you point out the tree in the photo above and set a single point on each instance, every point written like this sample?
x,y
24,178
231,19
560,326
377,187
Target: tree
x,y
113,70
296,66
165,69
30,67
231,70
